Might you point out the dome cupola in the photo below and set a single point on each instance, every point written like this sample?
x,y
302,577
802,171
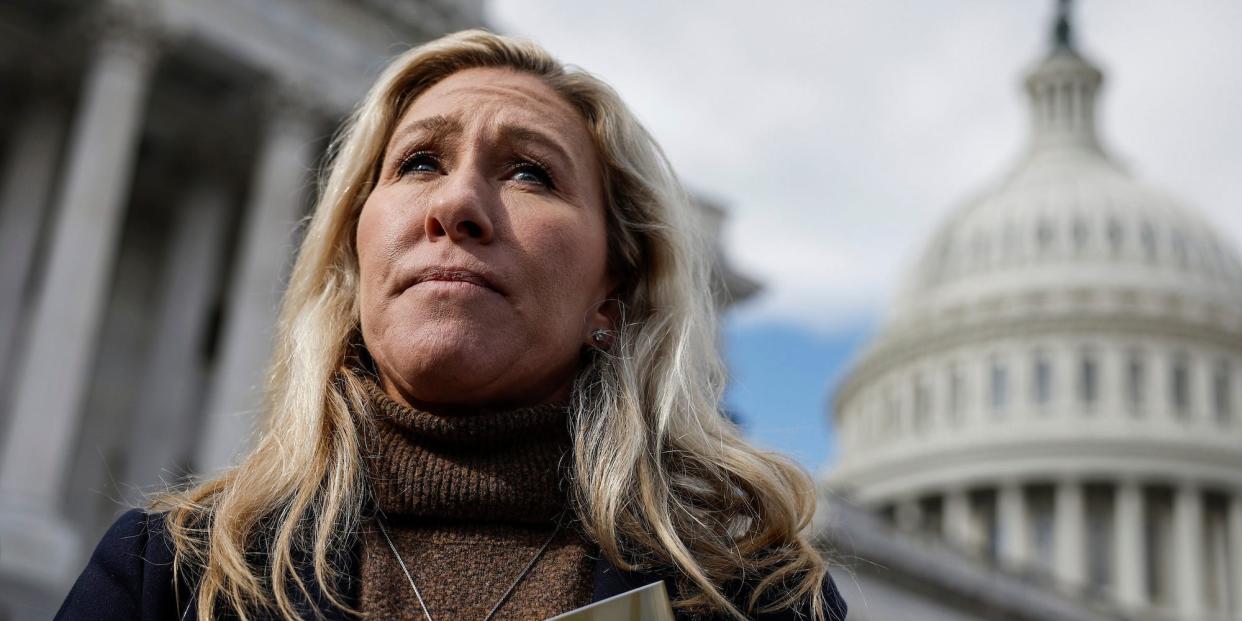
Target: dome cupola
x,y
1062,90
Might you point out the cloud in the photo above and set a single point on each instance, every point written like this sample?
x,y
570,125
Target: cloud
x,y
840,133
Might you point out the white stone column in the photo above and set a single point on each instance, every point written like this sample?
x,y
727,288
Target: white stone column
x,y
1188,551
958,523
1235,552
30,167
53,374
172,384
277,201
1129,550
1014,523
1069,533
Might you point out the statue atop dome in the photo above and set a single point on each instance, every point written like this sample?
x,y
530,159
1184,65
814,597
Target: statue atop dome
x,y
1062,35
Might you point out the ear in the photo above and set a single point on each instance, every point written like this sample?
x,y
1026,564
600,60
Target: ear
x,y
606,316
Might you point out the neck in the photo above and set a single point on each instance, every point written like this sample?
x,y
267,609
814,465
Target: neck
x,y
477,463
402,395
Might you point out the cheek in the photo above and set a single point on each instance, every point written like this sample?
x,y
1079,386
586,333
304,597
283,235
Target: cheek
x,y
365,241
385,225
375,239
571,260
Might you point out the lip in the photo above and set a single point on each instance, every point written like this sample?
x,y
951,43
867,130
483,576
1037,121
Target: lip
x,y
451,274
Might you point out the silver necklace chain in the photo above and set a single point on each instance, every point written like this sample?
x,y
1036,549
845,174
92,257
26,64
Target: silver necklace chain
x,y
503,598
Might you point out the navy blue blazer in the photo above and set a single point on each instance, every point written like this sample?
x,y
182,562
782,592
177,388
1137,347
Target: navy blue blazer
x,y
130,578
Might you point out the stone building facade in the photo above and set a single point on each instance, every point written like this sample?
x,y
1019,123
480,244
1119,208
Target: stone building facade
x,y
158,155
156,158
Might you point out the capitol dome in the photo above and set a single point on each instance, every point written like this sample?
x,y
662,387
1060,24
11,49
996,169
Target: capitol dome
x,y
1057,386
1069,218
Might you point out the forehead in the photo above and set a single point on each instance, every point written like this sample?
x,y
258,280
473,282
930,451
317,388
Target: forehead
x,y
500,95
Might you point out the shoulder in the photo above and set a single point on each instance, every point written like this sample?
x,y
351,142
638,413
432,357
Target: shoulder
x,y
129,575
834,603
834,607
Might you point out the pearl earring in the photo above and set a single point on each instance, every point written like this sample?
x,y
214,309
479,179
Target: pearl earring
x,y
600,335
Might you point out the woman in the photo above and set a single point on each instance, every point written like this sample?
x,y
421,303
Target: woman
x,y
495,391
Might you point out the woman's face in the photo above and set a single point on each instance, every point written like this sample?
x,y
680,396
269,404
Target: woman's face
x,y
482,249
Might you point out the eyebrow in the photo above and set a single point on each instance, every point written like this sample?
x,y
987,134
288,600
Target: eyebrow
x,y
437,128
517,134
441,128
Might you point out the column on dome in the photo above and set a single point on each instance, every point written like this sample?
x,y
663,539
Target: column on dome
x,y
1112,373
164,419
959,524
1069,533
277,202
52,375
1130,554
1188,551
1014,523
30,166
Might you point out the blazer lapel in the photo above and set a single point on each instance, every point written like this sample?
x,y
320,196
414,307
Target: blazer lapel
x,y
610,581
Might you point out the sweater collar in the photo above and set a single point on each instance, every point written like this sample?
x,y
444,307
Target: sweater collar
x,y
505,465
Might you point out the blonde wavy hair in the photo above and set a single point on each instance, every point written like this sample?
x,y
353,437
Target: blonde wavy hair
x,y
660,478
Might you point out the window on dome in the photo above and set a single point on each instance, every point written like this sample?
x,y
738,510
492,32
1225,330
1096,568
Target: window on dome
x,y
1116,236
1181,254
1179,385
1081,235
956,394
875,417
980,249
1150,249
892,415
1044,234
1088,379
1136,382
1009,250
1222,392
1041,380
922,404
940,269
999,386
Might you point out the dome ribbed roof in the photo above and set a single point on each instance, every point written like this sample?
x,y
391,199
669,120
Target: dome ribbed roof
x,y
1068,216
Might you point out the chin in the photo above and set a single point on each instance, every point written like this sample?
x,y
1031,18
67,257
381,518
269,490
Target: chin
x,y
446,366
467,361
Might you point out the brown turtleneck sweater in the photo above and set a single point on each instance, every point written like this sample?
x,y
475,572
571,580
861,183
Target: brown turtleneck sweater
x,y
468,501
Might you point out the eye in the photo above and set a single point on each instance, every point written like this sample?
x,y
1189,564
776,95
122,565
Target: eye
x,y
420,162
527,171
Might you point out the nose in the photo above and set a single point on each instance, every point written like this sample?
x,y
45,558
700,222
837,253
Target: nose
x,y
460,209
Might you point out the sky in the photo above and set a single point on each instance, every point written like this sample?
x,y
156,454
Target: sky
x,y
837,134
